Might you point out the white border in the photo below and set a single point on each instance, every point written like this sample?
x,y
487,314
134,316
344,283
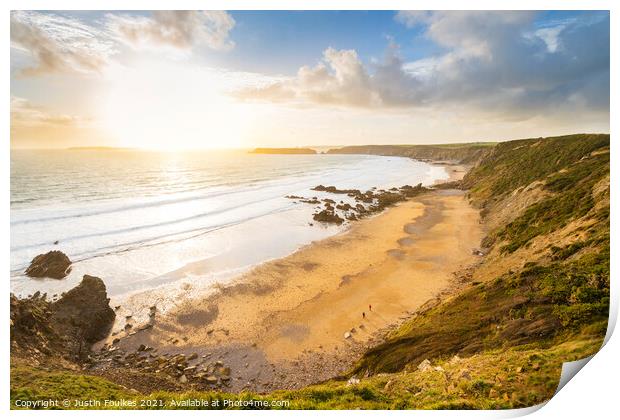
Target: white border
x,y
592,394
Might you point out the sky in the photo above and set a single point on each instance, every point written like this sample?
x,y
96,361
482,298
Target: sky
x,y
240,79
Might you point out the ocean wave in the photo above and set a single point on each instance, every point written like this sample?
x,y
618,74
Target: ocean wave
x,y
249,187
177,236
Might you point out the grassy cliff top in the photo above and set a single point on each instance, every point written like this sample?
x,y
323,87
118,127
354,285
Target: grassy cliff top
x,y
466,153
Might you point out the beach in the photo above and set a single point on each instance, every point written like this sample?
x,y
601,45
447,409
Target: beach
x,y
278,300
150,224
303,318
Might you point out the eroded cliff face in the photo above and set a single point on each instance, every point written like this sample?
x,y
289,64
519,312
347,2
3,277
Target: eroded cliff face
x,y
65,328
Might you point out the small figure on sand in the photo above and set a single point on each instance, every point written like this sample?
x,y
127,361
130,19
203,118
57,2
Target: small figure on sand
x,y
369,307
363,314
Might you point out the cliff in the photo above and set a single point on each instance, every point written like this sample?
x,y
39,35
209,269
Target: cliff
x,y
465,153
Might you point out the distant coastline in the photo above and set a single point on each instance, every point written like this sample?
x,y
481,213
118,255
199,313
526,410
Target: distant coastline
x,y
284,151
102,148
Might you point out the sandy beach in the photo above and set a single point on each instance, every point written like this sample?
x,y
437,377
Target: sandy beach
x,y
304,318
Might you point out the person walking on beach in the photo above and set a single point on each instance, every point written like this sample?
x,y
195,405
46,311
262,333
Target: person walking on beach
x,y
369,307
363,314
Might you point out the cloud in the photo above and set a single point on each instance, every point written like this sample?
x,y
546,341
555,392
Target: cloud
x,y
25,114
34,126
492,63
55,43
179,29
339,79
551,37
58,44
472,33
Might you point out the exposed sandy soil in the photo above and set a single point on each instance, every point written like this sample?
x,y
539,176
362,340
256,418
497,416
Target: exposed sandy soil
x,y
283,324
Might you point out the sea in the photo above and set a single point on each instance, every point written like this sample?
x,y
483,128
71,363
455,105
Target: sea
x,y
171,224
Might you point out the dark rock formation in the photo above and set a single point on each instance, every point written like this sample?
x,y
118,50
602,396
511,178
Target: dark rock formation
x,y
86,308
344,207
63,329
409,191
31,331
328,216
377,200
54,264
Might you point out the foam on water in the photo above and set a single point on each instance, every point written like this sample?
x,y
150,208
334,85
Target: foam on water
x,y
151,221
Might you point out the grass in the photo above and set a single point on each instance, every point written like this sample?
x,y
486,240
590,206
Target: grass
x,y
541,303
518,163
461,152
28,383
572,198
517,377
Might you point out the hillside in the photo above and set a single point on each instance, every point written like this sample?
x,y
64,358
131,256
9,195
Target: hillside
x,y
545,278
538,296
465,153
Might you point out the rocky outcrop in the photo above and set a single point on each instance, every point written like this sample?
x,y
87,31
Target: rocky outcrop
x,y
65,328
366,203
328,216
31,332
54,264
86,310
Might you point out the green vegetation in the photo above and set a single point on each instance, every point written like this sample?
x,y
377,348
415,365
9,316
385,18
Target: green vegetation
x,y
514,164
550,299
518,377
460,152
541,305
571,197
32,384
510,331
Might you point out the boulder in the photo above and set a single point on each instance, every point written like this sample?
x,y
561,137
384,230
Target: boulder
x,y
389,385
328,216
425,365
353,381
54,264
85,308
224,371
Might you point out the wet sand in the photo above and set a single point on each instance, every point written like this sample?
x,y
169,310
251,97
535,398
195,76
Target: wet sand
x,y
306,317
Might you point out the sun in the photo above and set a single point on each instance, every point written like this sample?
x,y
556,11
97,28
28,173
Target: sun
x,y
168,106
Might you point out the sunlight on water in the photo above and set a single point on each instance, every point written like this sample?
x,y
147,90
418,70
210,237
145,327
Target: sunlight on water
x,y
142,220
